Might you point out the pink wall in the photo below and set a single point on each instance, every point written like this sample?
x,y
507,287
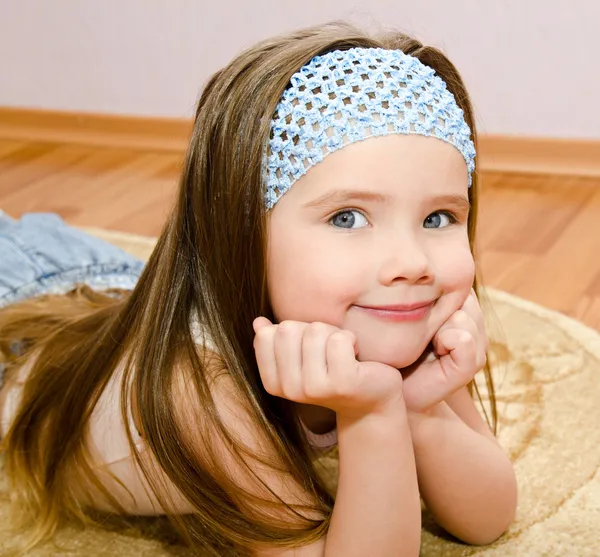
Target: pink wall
x,y
532,66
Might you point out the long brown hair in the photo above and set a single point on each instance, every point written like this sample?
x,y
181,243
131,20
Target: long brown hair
x,y
210,261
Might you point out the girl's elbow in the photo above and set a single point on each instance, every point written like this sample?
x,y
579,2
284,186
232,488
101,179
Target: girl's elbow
x,y
487,535
500,518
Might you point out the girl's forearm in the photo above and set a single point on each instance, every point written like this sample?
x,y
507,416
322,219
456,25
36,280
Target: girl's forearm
x,y
377,509
466,479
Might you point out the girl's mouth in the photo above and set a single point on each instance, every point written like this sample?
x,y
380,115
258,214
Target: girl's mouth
x,y
399,313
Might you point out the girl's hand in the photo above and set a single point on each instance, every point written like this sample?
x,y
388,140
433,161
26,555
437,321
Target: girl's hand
x,y
458,352
315,363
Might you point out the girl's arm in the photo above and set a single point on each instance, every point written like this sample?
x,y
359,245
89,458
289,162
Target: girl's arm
x,y
377,509
466,480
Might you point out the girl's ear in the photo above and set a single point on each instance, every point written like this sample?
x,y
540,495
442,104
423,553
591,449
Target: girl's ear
x,y
259,323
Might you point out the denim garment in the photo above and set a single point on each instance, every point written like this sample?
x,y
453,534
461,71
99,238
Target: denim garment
x,y
41,254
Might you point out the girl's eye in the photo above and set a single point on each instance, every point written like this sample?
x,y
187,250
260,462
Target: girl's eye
x,y
349,219
439,219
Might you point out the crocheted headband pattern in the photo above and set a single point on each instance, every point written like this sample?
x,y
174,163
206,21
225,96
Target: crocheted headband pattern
x,y
346,96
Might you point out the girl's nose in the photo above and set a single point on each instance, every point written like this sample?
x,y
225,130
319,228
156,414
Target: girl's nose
x,y
405,261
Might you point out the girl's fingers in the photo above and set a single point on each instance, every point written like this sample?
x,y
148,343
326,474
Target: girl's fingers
x,y
314,363
460,320
264,349
341,358
288,357
259,323
444,344
461,359
460,347
451,372
473,308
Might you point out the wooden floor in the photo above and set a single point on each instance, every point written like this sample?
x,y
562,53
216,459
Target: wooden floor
x,y
539,236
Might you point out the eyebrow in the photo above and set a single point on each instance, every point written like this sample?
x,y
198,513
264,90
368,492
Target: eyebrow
x,y
458,201
344,196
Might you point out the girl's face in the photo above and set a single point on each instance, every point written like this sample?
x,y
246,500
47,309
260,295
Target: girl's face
x,y
377,226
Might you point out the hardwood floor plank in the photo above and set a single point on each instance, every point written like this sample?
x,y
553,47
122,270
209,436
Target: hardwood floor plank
x,y
109,200
8,147
536,209
594,287
503,269
587,310
67,181
568,269
81,191
36,161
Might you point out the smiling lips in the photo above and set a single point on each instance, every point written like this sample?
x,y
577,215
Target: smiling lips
x,y
399,312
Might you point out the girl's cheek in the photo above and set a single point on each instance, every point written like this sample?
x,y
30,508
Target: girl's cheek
x,y
313,288
457,265
464,277
455,274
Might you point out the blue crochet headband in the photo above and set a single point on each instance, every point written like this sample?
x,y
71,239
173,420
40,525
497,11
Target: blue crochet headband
x,y
347,96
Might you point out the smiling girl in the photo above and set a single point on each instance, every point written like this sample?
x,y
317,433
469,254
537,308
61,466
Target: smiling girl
x,y
314,285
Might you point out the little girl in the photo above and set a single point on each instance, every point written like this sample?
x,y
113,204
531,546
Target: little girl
x,y
312,286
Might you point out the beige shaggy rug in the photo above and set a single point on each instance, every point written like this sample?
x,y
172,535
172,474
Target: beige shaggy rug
x,y
547,368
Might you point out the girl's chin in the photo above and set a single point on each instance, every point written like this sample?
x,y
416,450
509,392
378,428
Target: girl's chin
x,y
398,359
398,348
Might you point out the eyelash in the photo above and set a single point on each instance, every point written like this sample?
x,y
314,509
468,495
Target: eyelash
x,y
347,210
453,218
